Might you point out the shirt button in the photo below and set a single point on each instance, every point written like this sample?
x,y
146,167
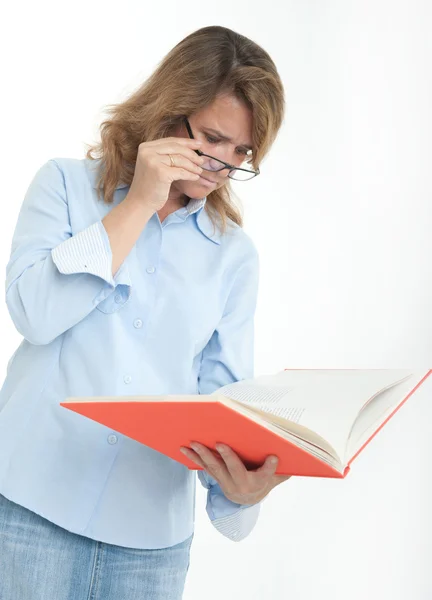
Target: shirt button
x,y
112,439
118,298
150,270
127,378
138,323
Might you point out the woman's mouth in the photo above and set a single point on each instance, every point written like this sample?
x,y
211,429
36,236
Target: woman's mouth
x,y
207,182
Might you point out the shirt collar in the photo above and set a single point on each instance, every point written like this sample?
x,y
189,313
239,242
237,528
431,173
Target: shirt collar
x,y
206,225
195,206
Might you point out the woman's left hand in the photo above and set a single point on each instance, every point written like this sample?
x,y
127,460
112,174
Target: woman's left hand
x,y
237,483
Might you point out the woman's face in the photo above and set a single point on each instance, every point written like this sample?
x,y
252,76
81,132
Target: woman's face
x,y
225,128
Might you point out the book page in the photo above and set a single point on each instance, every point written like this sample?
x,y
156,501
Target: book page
x,y
376,412
326,401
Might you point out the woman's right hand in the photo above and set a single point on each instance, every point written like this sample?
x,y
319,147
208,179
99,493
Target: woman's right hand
x,y
154,173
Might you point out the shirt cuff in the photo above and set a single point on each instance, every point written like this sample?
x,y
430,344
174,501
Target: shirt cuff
x,y
238,525
234,521
88,251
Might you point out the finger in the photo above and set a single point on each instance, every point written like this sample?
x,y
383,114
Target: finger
x,y
193,456
234,464
186,141
189,452
181,162
174,144
267,470
179,150
177,174
214,465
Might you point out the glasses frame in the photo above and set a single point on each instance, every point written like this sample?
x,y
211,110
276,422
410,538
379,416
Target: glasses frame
x,y
231,168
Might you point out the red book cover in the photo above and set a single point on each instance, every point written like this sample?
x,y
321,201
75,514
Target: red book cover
x,y
167,425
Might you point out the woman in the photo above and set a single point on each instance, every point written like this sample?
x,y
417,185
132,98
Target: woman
x,y
130,274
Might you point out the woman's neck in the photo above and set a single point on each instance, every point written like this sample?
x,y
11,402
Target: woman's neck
x,y
175,201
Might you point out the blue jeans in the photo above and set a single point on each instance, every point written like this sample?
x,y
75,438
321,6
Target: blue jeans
x,y
40,561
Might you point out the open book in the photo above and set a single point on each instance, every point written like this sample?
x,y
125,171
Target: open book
x,y
315,421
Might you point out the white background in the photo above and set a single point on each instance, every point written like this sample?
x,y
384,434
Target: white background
x,y
342,219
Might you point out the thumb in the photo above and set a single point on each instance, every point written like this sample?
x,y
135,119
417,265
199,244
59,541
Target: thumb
x,y
268,468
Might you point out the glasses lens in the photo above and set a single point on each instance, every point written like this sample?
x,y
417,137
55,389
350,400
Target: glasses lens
x,y
213,164
241,175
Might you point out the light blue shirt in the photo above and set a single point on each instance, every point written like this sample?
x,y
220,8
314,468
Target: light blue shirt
x,y
177,318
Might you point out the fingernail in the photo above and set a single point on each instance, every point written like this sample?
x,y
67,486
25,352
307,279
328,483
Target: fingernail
x,y
220,448
273,460
194,446
183,450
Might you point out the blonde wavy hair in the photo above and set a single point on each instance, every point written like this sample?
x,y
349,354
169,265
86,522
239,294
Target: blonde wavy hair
x,y
210,62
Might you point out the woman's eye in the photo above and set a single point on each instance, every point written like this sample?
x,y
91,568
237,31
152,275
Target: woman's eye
x,y
211,139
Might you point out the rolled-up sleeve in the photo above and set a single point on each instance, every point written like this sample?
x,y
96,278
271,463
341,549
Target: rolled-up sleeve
x,y
55,279
88,251
234,521
229,357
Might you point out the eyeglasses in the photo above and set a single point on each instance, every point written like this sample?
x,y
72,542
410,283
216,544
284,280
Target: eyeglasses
x,y
215,164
